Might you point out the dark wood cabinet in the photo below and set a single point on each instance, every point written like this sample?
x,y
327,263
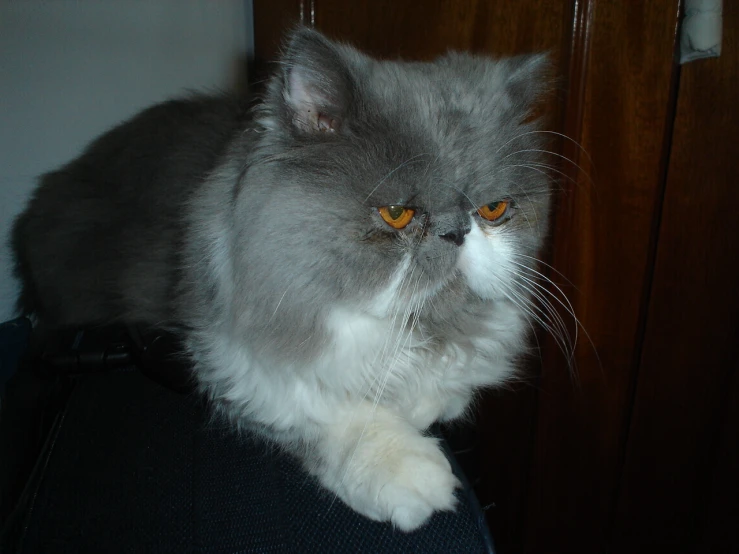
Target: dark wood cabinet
x,y
635,447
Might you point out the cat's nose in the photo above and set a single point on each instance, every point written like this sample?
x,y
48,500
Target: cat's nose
x,y
456,236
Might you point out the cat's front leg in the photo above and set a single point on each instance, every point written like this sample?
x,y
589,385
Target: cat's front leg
x,y
383,467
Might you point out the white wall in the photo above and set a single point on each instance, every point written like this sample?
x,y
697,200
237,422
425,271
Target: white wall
x,y
71,70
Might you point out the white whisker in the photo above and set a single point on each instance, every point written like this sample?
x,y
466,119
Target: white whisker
x,y
278,304
573,141
546,307
538,261
568,306
561,156
556,326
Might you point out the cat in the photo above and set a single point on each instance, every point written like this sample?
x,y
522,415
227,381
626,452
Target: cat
x,y
348,258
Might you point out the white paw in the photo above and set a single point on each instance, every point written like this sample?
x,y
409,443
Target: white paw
x,y
421,484
401,479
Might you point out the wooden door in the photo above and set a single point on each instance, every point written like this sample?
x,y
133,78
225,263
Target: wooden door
x,y
637,450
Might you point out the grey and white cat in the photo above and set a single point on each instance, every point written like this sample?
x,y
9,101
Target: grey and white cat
x,y
348,260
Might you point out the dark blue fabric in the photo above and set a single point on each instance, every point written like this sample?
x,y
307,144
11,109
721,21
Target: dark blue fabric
x,y
136,467
14,337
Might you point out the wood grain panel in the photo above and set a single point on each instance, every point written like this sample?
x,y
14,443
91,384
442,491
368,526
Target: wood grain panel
x,y
602,244
422,30
673,476
272,19
718,507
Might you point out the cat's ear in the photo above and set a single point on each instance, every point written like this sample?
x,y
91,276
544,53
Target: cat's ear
x,y
317,86
530,79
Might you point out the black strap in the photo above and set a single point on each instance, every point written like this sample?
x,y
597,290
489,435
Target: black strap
x,y
158,354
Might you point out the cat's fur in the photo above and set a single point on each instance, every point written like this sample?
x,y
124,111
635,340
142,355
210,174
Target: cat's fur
x,y
257,234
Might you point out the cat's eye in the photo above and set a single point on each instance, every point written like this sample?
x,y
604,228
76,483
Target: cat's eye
x,y
495,210
397,217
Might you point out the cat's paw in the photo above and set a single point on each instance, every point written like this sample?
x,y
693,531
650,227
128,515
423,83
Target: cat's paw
x,y
401,481
421,483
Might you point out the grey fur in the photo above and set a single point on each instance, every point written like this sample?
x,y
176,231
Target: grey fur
x,y
203,215
107,237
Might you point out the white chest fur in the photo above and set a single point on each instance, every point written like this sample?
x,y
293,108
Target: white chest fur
x,y
419,378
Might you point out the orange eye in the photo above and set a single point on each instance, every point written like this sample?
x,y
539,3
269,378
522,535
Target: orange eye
x,y
397,217
494,210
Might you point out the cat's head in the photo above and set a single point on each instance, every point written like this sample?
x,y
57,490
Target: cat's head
x,y
379,183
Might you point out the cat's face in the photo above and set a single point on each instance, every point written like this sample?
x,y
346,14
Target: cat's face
x,y
383,183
